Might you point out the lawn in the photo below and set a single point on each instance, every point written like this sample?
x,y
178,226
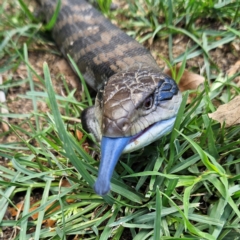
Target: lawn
x,y
184,186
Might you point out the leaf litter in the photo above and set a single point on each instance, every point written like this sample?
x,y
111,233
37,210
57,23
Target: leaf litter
x,y
228,113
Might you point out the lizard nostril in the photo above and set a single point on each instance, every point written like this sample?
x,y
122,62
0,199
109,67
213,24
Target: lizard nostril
x,y
123,124
117,128
125,127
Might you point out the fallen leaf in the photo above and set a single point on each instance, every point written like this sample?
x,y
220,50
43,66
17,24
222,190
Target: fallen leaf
x,y
5,127
86,147
233,70
3,108
79,135
228,113
50,222
15,211
236,44
65,183
35,215
76,237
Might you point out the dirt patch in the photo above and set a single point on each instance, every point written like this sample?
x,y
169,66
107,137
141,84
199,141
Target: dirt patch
x,y
223,57
59,69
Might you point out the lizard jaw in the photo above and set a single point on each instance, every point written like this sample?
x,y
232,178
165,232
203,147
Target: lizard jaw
x,y
112,148
150,134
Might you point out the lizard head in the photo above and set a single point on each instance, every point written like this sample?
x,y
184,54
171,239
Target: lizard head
x,y
136,107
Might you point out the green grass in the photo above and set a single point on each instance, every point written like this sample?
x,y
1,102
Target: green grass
x,y
185,186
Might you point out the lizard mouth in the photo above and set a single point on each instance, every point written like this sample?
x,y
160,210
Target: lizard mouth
x,y
112,148
149,135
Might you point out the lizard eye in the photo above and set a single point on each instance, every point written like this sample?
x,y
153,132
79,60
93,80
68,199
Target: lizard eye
x,y
148,103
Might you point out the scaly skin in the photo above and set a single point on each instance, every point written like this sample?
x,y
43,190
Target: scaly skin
x,y
136,103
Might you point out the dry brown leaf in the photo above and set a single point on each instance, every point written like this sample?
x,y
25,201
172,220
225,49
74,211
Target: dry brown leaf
x,y
86,147
188,81
233,70
5,127
35,215
3,108
65,183
76,237
236,44
50,223
79,135
228,113
13,211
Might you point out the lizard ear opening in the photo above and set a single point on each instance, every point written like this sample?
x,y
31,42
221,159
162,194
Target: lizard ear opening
x,y
90,123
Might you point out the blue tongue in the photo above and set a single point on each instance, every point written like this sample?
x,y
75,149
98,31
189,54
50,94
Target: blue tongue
x,y
111,150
